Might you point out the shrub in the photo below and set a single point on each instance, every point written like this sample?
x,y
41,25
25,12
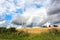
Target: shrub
x,y
52,34
22,33
3,30
44,26
54,31
55,25
12,29
49,25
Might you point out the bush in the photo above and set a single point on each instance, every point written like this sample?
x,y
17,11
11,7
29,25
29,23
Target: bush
x,y
44,26
55,25
54,31
3,30
22,33
52,34
49,25
12,29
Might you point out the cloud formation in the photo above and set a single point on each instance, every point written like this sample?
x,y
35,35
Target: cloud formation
x,y
54,12
34,14
31,17
31,12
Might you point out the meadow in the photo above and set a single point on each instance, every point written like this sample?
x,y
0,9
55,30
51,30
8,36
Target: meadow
x,y
13,34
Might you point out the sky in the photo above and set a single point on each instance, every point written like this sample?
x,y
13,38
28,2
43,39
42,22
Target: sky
x,y
30,12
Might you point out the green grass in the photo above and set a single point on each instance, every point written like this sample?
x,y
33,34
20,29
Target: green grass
x,y
53,34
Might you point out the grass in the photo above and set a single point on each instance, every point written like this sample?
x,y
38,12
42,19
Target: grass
x,y
12,34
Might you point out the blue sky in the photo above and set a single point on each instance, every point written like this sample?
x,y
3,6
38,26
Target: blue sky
x,y
8,17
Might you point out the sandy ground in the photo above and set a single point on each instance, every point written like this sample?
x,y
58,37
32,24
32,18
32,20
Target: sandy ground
x,y
36,30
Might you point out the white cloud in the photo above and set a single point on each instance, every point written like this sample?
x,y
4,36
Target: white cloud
x,y
30,14
2,22
30,11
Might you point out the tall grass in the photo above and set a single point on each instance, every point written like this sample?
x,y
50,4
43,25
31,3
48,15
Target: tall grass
x,y
53,34
12,34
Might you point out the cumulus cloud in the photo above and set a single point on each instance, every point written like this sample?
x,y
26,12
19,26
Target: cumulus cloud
x,y
31,17
18,19
34,14
2,22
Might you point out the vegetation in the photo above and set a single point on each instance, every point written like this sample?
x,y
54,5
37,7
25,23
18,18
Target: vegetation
x,y
12,34
44,26
55,25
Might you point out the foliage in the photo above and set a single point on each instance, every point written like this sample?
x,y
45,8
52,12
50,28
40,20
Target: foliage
x,y
3,30
55,25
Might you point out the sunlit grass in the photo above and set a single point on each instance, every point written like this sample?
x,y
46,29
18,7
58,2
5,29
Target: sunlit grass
x,y
12,34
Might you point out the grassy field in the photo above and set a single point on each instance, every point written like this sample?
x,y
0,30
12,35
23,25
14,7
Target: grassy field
x,y
45,34
36,30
